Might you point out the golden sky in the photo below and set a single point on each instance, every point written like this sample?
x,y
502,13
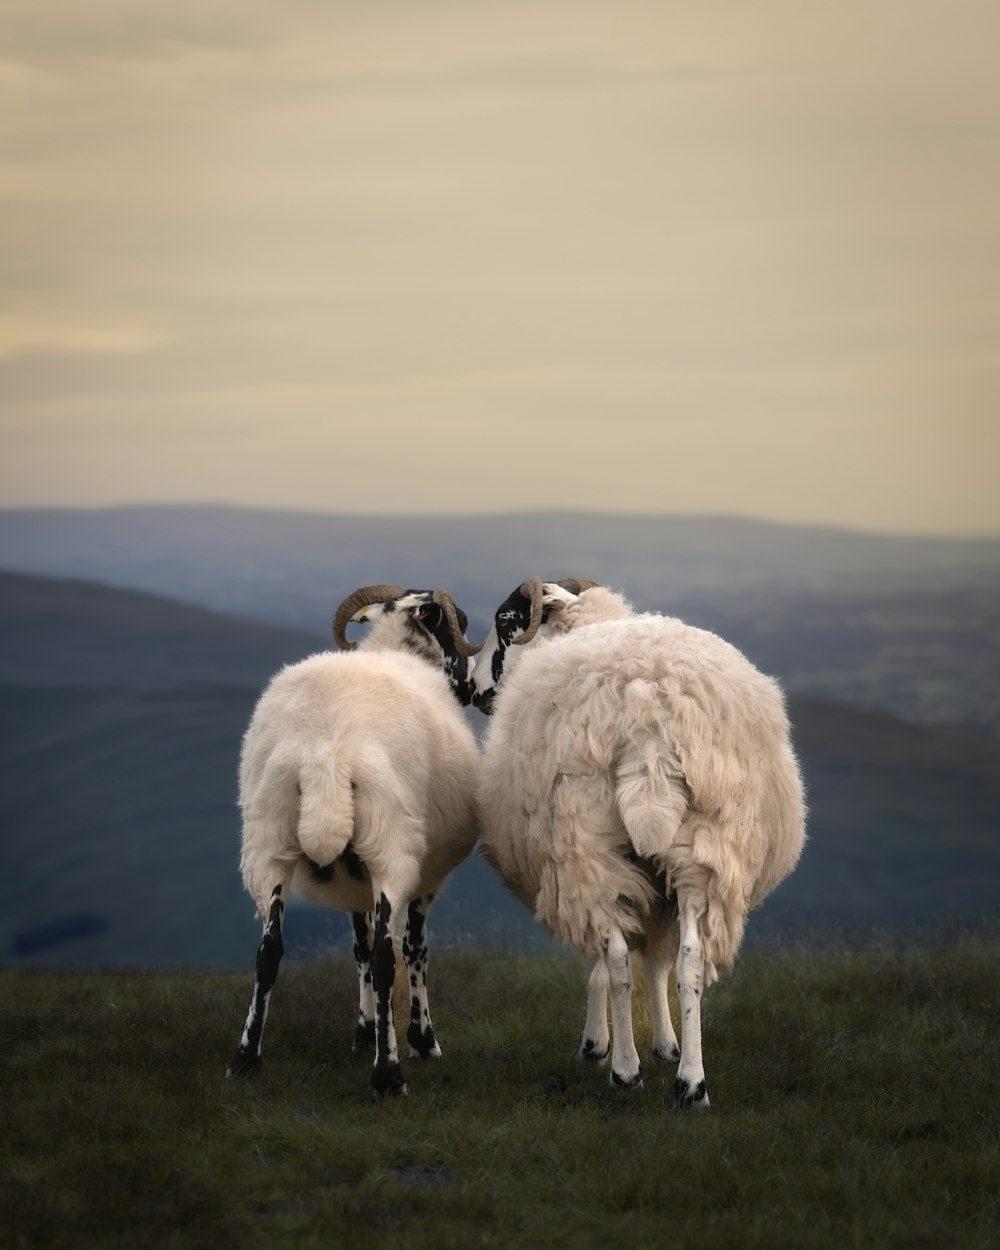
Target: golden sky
x,y
478,256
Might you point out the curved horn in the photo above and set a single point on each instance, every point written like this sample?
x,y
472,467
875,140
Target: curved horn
x,y
533,589
576,585
360,599
447,605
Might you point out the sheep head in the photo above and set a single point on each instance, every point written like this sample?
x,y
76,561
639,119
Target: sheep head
x,y
427,623
517,621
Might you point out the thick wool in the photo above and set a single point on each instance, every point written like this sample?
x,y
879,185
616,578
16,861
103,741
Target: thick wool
x,y
638,737
368,748
358,789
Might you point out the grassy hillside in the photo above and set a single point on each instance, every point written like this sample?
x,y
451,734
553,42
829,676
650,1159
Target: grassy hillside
x,y
853,1106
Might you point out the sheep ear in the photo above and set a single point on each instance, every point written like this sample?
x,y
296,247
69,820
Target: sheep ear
x,y
555,597
428,614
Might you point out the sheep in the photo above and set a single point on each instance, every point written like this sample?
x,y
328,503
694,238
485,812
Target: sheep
x,y
638,791
358,790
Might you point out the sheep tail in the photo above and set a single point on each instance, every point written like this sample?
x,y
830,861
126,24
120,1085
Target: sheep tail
x,y
326,808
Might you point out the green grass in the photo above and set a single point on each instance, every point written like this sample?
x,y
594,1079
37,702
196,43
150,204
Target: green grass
x,y
854,1104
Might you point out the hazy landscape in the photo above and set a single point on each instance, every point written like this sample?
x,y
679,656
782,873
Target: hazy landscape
x,y
702,304
123,708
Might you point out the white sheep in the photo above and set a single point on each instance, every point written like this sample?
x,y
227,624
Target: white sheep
x,y
358,790
638,790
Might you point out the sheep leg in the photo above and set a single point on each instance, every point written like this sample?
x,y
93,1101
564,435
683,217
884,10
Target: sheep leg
x,y
658,982
387,1076
596,1044
364,938
248,1055
420,1034
625,1070
689,1087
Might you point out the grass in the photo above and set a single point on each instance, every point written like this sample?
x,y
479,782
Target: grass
x,y
854,1105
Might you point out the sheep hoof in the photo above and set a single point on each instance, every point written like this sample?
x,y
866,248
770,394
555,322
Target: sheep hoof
x,y
422,1045
688,1096
588,1052
669,1054
433,1053
364,1037
389,1080
244,1063
626,1082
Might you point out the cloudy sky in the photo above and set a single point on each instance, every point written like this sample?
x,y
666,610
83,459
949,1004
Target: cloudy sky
x,y
428,256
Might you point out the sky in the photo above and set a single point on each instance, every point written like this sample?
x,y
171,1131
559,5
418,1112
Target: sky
x,y
397,257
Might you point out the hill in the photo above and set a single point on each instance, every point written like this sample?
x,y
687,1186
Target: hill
x,y
908,624
121,830
285,566
56,632
903,828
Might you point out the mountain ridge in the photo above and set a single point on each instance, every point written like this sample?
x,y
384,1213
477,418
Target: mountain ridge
x,y
570,515
233,558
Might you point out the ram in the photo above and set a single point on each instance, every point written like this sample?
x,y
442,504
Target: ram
x,y
638,792
358,790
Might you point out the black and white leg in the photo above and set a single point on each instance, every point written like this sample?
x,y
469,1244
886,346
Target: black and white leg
x,y
625,1070
248,1055
364,938
387,1076
420,1033
689,1087
596,1044
658,983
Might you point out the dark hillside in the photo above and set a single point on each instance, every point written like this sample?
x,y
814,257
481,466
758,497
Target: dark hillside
x,y
909,624
904,831
929,655
122,836
77,633
121,830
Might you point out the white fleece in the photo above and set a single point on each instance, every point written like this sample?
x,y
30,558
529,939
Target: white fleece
x,y
638,734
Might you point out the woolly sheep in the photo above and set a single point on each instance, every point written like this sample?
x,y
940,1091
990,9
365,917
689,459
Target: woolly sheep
x,y
357,786
638,791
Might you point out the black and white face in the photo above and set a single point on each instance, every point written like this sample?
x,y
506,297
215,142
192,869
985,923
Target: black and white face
x,y
502,651
429,635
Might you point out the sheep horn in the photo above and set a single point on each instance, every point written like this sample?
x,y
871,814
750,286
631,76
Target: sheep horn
x,y
360,599
447,605
533,589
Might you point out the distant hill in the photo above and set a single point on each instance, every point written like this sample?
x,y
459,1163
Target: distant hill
x,y
121,832
908,624
77,633
904,831
928,655
286,567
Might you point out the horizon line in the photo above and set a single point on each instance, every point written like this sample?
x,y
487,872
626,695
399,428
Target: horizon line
x,y
509,513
